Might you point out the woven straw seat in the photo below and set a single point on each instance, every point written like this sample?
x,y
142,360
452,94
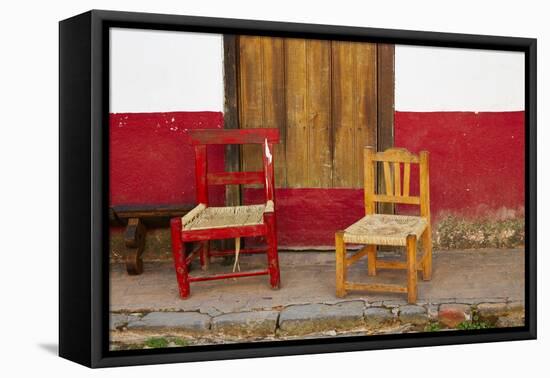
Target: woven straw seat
x,y
202,217
382,229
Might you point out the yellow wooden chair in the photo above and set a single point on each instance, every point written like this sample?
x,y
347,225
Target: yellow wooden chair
x,y
393,230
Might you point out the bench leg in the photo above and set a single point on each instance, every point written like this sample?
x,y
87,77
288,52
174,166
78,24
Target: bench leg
x,y
411,269
341,271
272,253
134,240
180,263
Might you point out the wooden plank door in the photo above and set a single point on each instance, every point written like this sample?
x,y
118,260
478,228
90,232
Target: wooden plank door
x,y
322,95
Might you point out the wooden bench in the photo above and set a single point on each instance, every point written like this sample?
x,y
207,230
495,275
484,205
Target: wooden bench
x,y
137,218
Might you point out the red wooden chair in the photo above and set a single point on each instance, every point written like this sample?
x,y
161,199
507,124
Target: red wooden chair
x,y
205,223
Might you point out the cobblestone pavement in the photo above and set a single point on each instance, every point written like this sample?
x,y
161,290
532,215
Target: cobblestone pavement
x,y
308,277
487,285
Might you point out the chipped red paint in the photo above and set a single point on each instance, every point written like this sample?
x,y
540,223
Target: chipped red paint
x,y
476,159
230,275
269,171
148,155
180,264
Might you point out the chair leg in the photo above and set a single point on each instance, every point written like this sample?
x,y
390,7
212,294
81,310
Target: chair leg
x,y
341,271
179,258
371,267
411,268
205,255
427,265
272,254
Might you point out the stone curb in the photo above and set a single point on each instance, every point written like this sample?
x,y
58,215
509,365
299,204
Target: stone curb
x,y
315,318
318,318
191,322
254,323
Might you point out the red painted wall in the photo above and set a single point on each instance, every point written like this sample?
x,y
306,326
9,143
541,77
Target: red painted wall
x,y
309,217
150,163
476,169
476,159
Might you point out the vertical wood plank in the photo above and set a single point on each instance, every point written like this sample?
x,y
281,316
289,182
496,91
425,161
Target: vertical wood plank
x,y
274,100
251,96
318,105
296,110
231,113
343,114
385,96
354,87
364,95
230,61
262,101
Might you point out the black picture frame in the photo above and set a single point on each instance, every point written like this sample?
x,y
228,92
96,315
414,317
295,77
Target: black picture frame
x,y
83,196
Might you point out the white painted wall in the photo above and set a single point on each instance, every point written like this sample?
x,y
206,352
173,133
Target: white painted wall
x,y
161,71
451,79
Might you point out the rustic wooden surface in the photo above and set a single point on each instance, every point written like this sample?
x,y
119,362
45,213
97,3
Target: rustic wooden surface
x,y
231,114
394,192
308,80
202,137
386,100
134,239
411,269
341,270
261,97
150,211
137,218
354,92
322,95
425,212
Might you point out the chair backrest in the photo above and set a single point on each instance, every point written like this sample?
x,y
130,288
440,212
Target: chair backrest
x,y
201,138
396,191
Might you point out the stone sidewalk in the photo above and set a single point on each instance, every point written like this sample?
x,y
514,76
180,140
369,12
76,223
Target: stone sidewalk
x,y
486,285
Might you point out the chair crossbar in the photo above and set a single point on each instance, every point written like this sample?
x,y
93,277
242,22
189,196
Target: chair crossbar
x,y
234,178
237,136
